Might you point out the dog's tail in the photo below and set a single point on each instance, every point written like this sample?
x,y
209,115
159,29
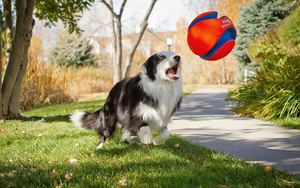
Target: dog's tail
x,y
87,120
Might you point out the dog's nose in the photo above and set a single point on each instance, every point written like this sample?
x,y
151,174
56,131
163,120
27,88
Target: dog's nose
x,y
177,57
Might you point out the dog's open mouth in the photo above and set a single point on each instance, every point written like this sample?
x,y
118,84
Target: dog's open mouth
x,y
172,72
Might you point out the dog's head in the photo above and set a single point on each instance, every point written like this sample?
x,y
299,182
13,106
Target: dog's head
x,y
165,65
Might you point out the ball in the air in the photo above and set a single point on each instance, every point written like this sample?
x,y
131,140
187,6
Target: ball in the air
x,y
210,37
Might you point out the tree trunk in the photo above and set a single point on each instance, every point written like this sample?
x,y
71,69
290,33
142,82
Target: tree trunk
x,y
118,39
23,27
143,29
118,62
8,27
14,105
1,115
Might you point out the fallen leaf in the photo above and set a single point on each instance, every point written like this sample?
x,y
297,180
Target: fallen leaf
x,y
224,186
8,142
108,160
197,158
176,145
187,155
33,169
123,182
194,165
68,176
50,162
54,172
36,142
268,168
14,171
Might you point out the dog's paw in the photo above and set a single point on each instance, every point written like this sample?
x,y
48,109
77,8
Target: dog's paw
x,y
161,138
99,146
146,140
158,140
145,135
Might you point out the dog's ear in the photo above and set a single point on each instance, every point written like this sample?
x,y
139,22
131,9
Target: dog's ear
x,y
144,70
149,67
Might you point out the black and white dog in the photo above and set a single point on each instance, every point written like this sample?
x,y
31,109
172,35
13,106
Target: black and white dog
x,y
142,104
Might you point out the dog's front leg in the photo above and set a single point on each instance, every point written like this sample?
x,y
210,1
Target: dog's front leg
x,y
145,135
161,137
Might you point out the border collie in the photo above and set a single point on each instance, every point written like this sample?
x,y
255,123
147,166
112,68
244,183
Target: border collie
x,y
142,104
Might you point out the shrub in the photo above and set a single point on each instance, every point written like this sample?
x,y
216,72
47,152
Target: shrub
x,y
71,51
273,93
290,30
256,20
44,82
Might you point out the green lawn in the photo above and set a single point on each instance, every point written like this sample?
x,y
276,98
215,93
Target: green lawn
x,y
56,154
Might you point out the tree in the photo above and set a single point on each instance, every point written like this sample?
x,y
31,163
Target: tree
x,y
255,20
71,51
52,11
117,34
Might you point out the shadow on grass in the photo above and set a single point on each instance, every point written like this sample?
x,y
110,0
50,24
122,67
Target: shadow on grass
x,y
49,119
153,166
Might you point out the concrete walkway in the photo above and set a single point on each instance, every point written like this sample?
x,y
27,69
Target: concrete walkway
x,y
205,119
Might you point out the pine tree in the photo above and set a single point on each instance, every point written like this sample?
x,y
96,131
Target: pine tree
x,y
70,51
255,20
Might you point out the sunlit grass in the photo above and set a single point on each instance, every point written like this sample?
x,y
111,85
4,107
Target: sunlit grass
x,y
56,154
41,154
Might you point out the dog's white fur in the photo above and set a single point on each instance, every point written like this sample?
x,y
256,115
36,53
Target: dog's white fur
x,y
162,90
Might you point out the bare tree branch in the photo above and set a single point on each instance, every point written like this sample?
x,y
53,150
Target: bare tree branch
x,y
143,29
110,8
122,8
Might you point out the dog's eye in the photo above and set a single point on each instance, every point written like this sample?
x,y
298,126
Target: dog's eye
x,y
162,57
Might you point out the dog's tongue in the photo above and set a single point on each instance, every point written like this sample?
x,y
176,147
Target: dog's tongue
x,y
171,73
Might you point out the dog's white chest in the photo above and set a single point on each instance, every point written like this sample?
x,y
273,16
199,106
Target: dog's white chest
x,y
167,99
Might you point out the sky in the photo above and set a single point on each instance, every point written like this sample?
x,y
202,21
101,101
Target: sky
x,y
163,17
96,20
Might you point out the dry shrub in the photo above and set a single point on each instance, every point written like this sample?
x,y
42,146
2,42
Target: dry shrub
x,y
44,82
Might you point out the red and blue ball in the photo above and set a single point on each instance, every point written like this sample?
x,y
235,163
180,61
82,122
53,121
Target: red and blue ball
x,y
210,37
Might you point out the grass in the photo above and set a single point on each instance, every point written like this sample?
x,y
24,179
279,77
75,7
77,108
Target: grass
x,y
189,88
56,154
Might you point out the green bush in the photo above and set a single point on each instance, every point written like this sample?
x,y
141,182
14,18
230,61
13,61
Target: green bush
x,y
290,30
273,92
71,51
256,19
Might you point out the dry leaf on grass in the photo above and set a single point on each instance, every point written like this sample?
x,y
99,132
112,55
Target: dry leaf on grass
x,y
176,145
108,160
123,182
68,176
197,158
187,155
54,172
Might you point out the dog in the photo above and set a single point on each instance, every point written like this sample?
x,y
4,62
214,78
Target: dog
x,y
142,105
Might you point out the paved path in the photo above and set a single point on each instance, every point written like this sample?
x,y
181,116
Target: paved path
x,y
205,119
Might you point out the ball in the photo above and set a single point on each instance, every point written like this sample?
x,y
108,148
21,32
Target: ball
x,y
210,37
